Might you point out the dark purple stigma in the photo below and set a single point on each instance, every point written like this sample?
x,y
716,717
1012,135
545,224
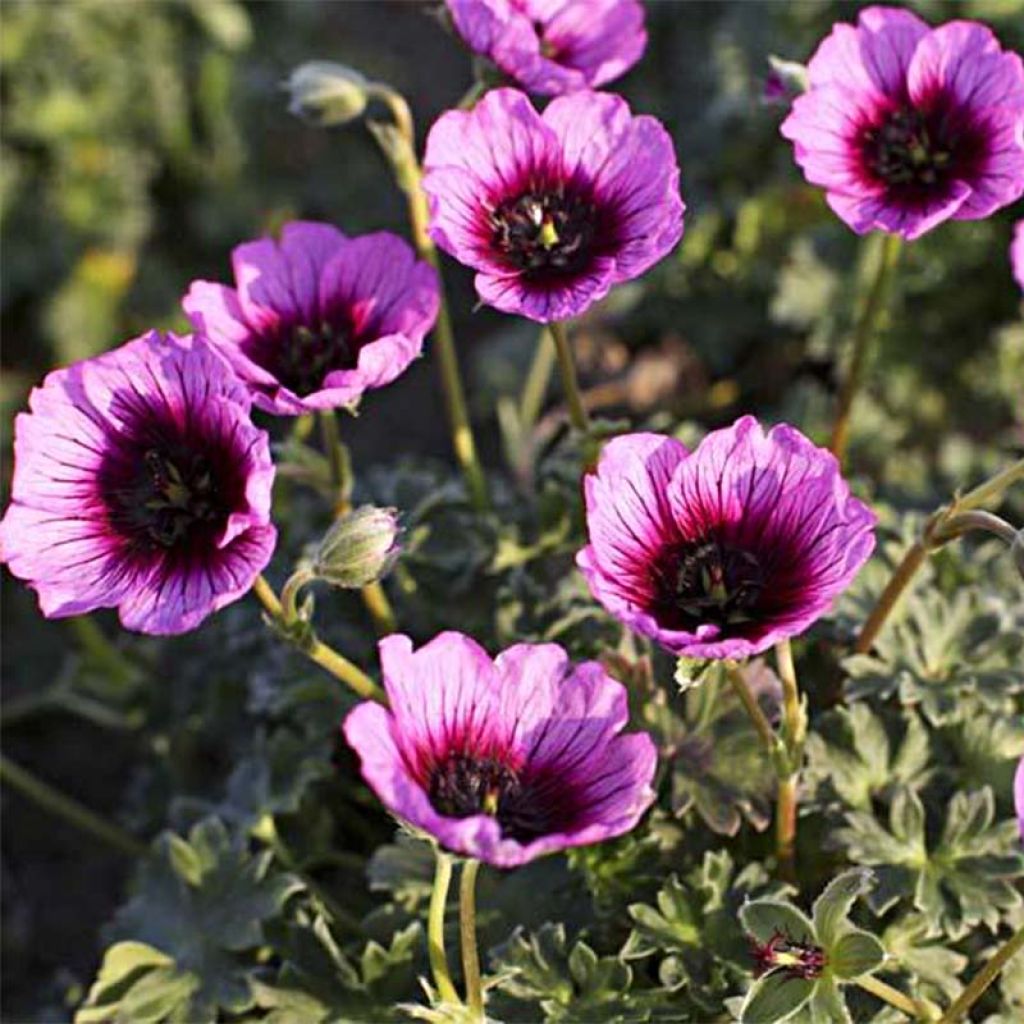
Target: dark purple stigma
x,y
910,148
797,959
303,355
713,582
464,784
173,496
546,231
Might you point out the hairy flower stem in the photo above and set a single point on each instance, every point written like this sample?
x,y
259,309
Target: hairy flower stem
x,y
326,657
793,729
531,401
374,597
101,651
71,811
570,385
931,538
472,95
435,928
734,673
893,996
467,936
337,459
980,982
864,333
409,177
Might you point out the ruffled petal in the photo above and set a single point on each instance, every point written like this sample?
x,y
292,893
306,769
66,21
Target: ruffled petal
x,y
873,57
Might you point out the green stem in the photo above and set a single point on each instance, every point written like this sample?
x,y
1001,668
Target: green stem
x,y
71,811
337,459
570,385
435,929
892,996
379,607
472,95
864,333
290,593
409,176
101,651
535,386
793,727
763,727
467,935
326,657
916,555
980,982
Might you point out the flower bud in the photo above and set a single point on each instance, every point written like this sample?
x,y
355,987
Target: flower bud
x,y
326,93
784,82
359,548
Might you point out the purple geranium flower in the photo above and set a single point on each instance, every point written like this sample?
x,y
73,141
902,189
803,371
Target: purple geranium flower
x,y
1017,253
906,126
554,46
552,210
722,552
502,760
317,319
140,483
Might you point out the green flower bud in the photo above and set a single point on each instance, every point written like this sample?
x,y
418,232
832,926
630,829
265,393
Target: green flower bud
x,y
326,93
359,548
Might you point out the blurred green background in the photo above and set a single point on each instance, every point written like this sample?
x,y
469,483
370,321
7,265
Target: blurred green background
x,y
142,140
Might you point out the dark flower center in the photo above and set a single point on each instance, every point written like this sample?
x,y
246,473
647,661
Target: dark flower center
x,y
707,581
171,496
796,959
907,148
920,150
303,356
464,784
546,231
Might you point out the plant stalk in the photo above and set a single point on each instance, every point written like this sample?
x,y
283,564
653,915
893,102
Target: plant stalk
x,y
337,459
377,604
410,176
892,996
467,936
69,810
761,724
917,553
535,387
326,657
793,727
864,334
570,385
980,982
101,651
435,928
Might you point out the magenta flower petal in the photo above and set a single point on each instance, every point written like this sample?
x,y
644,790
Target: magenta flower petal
x,y
140,483
552,210
906,126
722,552
1017,253
554,46
317,319
502,760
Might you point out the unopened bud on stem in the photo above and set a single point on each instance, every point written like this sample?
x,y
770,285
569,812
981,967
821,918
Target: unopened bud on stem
x,y
361,547
326,93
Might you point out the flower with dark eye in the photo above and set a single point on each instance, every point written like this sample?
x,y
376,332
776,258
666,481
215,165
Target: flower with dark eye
x,y
554,47
502,760
317,319
906,126
140,483
552,209
723,551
